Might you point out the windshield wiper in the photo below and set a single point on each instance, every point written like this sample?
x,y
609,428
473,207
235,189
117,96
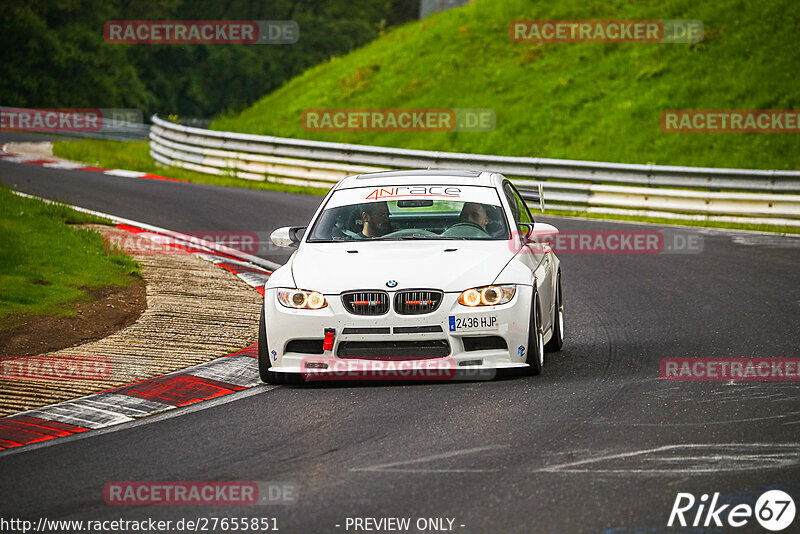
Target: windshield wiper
x,y
422,236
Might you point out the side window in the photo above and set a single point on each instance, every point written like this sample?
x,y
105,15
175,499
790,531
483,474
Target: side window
x,y
518,206
512,201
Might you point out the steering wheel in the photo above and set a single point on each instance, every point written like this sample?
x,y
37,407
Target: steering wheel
x,y
469,223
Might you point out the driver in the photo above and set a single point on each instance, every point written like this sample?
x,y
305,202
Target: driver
x,y
475,213
376,219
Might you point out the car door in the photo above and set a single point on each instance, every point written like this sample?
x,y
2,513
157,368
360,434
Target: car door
x,y
538,258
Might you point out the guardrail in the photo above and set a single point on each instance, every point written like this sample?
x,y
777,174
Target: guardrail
x,y
735,195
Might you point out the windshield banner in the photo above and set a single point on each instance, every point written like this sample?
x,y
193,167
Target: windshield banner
x,y
453,193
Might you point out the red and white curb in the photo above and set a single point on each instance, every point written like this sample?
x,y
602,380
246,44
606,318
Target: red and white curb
x,y
216,378
74,166
223,376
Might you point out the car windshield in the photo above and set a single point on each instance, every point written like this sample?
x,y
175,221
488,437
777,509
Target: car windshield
x,y
403,213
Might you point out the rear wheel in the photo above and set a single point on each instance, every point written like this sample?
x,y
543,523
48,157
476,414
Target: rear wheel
x,y
557,341
535,358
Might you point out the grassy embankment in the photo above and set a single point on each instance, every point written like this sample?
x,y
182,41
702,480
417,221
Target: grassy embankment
x,y
585,101
45,265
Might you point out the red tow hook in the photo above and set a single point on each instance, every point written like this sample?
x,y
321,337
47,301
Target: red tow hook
x,y
327,343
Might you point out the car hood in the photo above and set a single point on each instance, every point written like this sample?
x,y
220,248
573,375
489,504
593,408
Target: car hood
x,y
333,268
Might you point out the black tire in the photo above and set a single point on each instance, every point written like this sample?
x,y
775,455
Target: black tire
x,y
557,340
263,351
535,358
264,363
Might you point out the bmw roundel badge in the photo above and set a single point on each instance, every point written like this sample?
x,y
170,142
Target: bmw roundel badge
x,y
391,283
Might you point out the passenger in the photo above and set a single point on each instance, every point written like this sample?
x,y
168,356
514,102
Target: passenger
x,y
375,217
474,213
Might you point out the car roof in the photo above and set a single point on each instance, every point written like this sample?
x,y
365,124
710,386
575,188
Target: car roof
x,y
422,177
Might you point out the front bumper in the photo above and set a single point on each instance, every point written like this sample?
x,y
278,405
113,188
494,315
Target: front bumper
x,y
509,322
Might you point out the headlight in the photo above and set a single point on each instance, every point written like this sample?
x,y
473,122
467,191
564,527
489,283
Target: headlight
x,y
487,296
299,299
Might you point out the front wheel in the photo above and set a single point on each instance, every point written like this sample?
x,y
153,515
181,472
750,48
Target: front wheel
x,y
557,341
264,363
535,358
263,351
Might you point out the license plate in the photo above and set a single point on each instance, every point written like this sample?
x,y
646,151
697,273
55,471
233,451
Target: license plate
x,y
483,322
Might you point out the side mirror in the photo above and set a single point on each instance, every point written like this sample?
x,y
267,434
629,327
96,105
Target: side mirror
x,y
543,233
287,236
526,237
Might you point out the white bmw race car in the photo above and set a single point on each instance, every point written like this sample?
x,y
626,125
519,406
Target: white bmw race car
x,y
423,273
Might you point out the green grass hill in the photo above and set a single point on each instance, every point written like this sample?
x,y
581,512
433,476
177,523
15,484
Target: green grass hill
x,y
588,101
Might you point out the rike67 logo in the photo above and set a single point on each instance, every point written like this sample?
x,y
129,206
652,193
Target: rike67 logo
x,y
774,510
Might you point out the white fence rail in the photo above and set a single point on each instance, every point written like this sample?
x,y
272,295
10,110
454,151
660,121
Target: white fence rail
x,y
735,195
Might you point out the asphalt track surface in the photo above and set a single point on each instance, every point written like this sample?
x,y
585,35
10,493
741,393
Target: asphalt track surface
x,y
597,443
